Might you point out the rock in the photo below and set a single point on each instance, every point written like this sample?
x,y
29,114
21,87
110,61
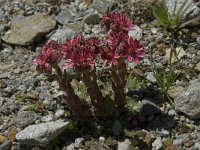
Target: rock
x,y
8,106
149,108
103,6
197,67
47,118
25,118
92,19
25,31
151,77
188,100
12,133
59,113
64,16
192,11
175,90
41,134
6,146
2,138
126,145
78,142
136,32
157,144
178,142
62,34
180,54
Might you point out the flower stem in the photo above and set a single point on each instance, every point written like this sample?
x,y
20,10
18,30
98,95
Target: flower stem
x,y
90,80
73,101
119,82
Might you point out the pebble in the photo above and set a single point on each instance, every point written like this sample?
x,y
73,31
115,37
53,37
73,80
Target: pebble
x,y
157,144
47,118
178,142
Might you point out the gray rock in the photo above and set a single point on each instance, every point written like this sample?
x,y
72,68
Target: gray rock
x,y
103,5
47,118
151,77
178,142
8,106
188,102
59,113
136,32
172,112
27,30
192,11
92,19
64,16
62,34
164,133
6,145
41,134
25,118
157,144
149,108
126,145
78,142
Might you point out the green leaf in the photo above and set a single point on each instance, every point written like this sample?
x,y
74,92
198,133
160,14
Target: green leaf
x,y
109,105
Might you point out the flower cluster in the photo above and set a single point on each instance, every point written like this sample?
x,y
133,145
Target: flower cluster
x,y
80,53
50,55
116,21
118,43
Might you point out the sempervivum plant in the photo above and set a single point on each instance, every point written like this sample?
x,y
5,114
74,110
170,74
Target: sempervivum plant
x,y
120,48
79,54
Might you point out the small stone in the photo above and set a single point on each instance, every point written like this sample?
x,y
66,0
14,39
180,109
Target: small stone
x,y
41,134
164,133
178,142
154,30
6,146
101,140
179,51
62,34
189,143
157,144
197,67
12,133
47,118
92,19
64,16
126,145
172,112
2,139
3,84
25,118
59,113
136,32
151,77
78,142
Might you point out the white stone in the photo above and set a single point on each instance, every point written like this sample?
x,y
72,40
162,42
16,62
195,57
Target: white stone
x,y
41,134
136,32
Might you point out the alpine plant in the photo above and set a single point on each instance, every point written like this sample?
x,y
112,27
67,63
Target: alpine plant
x,y
80,55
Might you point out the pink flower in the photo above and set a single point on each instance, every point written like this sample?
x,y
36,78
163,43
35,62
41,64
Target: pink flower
x,y
80,52
116,22
133,50
122,46
50,55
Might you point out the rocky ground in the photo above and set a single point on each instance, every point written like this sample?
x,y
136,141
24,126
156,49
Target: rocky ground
x,y
32,113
